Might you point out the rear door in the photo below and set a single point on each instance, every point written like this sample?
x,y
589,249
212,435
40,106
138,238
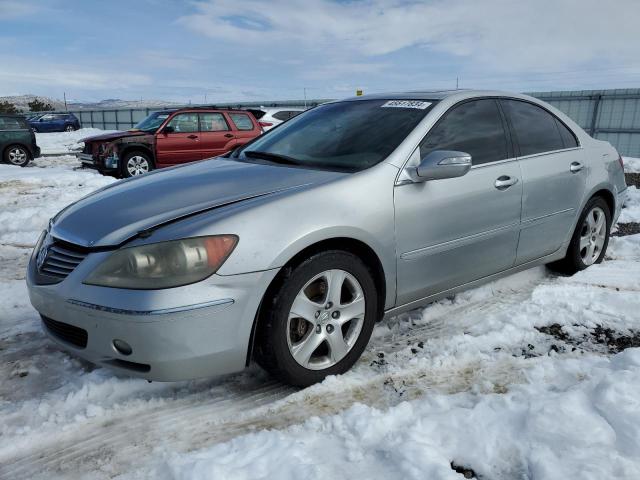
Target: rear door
x,y
216,136
452,231
181,145
246,127
553,177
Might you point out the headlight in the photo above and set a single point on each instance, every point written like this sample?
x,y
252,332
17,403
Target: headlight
x,y
164,264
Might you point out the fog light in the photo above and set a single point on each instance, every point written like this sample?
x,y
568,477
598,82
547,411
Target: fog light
x,y
122,347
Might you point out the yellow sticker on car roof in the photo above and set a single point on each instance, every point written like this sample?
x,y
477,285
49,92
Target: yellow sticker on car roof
x,y
419,104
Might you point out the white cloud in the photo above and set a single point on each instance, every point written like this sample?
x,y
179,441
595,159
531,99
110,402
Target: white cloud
x,y
498,34
10,9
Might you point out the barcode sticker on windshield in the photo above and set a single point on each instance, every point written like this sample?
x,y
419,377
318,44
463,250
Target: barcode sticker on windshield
x,y
420,105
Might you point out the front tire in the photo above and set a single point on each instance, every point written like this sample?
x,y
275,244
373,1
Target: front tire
x,y
590,238
319,318
17,155
135,164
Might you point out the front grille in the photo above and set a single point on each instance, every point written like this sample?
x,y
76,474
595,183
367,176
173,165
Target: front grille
x,y
62,259
74,335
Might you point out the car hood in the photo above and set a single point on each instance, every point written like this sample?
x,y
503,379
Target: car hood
x,y
107,137
120,211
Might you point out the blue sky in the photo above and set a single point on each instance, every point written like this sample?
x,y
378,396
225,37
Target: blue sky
x,y
238,50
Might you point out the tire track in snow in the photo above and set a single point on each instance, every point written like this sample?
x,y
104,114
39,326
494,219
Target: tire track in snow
x,y
116,445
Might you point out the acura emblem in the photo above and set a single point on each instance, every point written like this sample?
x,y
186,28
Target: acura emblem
x,y
42,254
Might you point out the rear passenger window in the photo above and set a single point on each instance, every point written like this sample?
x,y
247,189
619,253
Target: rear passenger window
x,y
568,138
282,115
535,128
12,123
242,121
213,122
473,127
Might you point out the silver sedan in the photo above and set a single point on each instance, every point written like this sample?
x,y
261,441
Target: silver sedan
x,y
289,249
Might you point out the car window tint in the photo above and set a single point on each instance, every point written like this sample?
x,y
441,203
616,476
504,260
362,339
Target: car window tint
x,y
46,118
213,122
473,127
11,123
535,128
242,121
184,123
568,138
282,115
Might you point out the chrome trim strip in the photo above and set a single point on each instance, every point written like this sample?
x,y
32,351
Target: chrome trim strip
x,y
457,242
560,212
162,311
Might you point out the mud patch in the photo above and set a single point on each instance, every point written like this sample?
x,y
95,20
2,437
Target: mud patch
x,y
464,471
632,179
613,341
624,229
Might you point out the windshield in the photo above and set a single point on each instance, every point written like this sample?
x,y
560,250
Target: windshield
x,y
346,136
152,122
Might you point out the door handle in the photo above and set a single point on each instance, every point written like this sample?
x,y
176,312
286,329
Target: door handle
x,y
192,137
504,182
228,135
575,167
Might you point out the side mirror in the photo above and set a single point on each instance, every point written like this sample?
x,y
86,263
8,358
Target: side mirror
x,y
168,129
441,164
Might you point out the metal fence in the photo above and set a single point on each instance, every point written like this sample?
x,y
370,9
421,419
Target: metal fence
x,y
612,115
124,118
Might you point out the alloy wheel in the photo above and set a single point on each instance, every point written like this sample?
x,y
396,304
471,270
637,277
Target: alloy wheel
x,y
593,235
137,165
17,156
325,319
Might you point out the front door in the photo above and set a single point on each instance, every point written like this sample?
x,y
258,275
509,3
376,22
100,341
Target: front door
x,y
553,175
453,231
181,144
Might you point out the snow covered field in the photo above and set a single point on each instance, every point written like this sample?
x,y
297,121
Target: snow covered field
x,y
57,143
528,377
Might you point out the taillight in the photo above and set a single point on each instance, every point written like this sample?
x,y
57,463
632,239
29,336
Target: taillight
x,y
265,124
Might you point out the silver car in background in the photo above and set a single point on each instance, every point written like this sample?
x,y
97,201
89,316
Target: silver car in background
x,y
288,250
269,117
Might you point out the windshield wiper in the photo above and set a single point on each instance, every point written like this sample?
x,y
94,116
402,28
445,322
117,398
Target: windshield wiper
x,y
273,157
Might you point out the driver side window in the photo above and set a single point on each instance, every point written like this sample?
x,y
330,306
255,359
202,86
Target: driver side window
x,y
473,127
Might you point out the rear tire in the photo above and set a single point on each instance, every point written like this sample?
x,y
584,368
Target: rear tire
x,y
17,155
590,239
318,318
136,163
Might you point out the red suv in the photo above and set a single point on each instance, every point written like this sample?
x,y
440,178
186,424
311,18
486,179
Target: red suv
x,y
170,137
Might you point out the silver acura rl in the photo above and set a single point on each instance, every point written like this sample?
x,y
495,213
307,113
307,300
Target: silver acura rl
x,y
289,249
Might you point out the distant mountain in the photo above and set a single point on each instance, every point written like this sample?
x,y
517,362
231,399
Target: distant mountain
x,y
118,103
22,101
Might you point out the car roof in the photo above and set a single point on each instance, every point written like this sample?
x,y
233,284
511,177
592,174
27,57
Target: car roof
x,y
199,108
438,95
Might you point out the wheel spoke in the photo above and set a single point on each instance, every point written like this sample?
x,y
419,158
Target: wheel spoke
x,y
335,279
304,308
303,350
591,221
599,222
590,250
584,242
338,348
352,310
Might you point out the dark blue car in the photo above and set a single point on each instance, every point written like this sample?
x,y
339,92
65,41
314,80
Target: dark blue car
x,y
55,122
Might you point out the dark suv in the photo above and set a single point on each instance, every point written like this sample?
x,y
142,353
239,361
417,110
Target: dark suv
x,y
170,137
17,141
55,122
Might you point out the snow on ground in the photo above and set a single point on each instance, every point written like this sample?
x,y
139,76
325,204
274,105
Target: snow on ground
x,y
631,210
519,378
65,142
631,165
